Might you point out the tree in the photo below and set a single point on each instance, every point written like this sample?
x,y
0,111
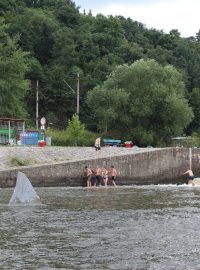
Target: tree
x,y
13,67
36,28
144,102
62,40
75,129
194,100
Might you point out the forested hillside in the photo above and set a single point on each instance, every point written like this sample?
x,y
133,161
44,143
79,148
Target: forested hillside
x,y
51,41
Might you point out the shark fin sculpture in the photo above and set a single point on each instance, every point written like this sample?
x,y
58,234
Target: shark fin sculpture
x,y
24,192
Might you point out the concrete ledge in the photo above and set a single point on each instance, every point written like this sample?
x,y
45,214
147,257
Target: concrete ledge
x,y
153,167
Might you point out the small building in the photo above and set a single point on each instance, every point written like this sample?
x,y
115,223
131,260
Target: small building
x,y
180,141
10,129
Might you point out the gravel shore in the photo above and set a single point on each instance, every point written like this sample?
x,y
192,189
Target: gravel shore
x,y
50,154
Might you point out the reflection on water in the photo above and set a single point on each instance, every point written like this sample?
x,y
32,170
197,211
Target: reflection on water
x,y
143,227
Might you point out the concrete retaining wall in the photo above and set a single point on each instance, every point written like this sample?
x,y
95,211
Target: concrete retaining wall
x,y
152,167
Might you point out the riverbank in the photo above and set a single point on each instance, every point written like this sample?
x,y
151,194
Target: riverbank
x,y
63,166
15,156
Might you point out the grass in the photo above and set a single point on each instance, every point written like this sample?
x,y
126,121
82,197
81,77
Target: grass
x,y
17,161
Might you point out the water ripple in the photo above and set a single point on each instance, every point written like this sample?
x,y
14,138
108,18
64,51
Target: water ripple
x,y
139,228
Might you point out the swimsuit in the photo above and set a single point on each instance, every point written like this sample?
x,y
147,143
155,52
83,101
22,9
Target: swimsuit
x,y
97,147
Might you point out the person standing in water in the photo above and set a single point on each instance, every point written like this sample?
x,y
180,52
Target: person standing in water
x,y
105,176
98,176
88,174
113,172
190,177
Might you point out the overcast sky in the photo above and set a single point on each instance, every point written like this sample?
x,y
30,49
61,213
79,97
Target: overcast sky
x,y
166,15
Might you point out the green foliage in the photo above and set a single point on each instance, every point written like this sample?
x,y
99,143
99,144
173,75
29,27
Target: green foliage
x,y
17,161
75,129
195,141
192,141
86,139
194,100
144,100
13,67
74,135
58,137
61,41
36,29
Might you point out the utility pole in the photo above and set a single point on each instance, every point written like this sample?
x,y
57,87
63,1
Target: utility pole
x,y
77,93
37,99
78,97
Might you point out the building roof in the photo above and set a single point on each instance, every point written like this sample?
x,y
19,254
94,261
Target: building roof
x,y
182,138
6,119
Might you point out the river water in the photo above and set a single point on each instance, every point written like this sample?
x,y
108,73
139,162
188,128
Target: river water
x,y
138,227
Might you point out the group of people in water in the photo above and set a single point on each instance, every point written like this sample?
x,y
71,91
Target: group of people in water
x,y
100,176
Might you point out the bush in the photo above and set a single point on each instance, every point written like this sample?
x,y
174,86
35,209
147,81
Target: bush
x,y
61,138
17,161
58,137
86,139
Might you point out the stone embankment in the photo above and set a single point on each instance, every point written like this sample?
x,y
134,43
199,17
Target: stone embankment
x,y
63,166
11,155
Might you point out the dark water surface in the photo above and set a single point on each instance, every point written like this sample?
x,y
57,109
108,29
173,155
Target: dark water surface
x,y
143,227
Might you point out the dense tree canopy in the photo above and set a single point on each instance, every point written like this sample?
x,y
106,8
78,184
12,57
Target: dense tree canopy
x,y
144,100
62,42
13,66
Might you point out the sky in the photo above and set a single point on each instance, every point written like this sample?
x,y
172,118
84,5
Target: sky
x,y
165,15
